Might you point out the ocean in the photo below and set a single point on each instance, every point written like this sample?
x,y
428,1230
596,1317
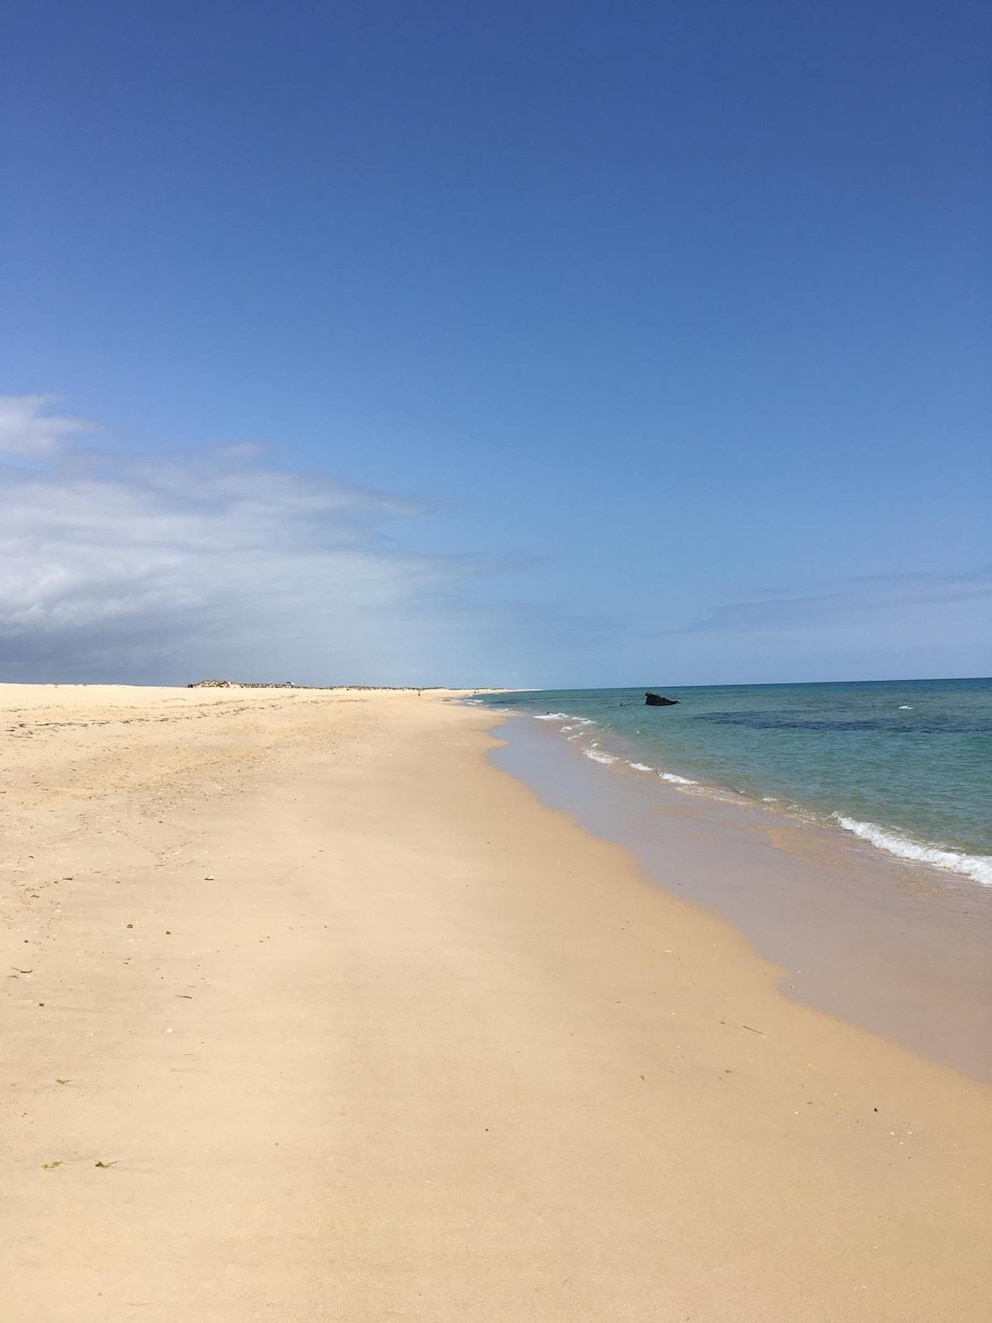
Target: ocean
x,y
905,765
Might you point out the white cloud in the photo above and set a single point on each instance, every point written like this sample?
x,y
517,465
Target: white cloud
x,y
26,430
876,626
179,566
868,598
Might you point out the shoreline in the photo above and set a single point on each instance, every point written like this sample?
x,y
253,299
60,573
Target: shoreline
x,y
314,1013
933,848
899,947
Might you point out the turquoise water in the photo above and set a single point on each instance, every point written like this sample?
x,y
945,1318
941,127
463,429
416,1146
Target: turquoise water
x,y
906,765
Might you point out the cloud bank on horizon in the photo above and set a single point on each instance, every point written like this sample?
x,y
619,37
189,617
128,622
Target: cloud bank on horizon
x,y
179,565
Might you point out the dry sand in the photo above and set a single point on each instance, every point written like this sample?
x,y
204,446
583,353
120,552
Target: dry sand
x,y
363,1032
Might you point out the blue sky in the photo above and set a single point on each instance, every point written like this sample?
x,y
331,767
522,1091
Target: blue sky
x,y
534,344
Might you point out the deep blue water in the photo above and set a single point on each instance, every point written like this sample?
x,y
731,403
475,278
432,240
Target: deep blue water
x,y
905,764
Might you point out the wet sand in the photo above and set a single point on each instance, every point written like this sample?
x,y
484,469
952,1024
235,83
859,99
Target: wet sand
x,y
362,1030
902,948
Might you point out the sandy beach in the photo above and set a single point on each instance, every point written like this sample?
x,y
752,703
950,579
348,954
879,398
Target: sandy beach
x,y
311,1013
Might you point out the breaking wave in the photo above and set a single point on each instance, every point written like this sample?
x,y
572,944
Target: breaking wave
x,y
598,756
977,867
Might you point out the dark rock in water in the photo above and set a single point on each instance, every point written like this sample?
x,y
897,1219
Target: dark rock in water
x,y
658,700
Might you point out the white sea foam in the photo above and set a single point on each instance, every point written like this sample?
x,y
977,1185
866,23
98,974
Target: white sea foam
x,y
677,780
905,707
977,867
573,721
598,756
641,767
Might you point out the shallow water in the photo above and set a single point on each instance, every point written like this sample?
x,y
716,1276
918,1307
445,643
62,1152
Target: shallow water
x,y
897,946
903,765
